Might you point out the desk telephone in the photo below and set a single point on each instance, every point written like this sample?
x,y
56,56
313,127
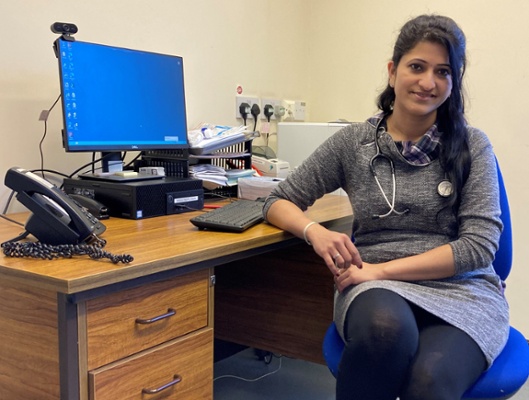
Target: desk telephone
x,y
63,227
56,218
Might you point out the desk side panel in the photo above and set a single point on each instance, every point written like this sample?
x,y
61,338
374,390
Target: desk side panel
x,y
29,354
280,301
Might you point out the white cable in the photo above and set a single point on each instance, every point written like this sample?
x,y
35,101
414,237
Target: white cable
x,y
254,379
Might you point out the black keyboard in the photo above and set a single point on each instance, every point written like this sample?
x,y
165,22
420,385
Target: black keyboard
x,y
233,217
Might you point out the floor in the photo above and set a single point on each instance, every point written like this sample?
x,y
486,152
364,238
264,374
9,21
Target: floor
x,y
244,376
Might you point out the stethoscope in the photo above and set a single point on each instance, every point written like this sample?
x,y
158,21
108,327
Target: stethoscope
x,y
444,188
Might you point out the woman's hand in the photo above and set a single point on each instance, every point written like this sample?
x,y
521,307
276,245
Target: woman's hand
x,y
437,263
353,276
336,249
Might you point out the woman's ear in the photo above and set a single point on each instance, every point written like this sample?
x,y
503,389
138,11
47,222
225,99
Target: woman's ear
x,y
391,74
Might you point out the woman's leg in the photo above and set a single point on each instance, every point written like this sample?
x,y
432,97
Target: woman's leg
x,y
447,363
381,341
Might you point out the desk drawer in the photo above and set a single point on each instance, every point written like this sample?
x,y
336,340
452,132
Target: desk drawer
x,y
126,322
184,367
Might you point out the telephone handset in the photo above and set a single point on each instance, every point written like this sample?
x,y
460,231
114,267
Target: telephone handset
x,y
56,218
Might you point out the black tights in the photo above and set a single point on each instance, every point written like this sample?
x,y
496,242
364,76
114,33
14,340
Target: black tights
x,y
395,349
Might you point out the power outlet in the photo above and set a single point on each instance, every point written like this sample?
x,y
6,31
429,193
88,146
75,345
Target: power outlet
x,y
295,110
250,100
274,103
289,106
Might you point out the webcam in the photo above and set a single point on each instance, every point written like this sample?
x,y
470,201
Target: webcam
x,y
64,28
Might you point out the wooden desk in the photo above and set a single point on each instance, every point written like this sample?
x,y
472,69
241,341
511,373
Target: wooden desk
x,y
68,326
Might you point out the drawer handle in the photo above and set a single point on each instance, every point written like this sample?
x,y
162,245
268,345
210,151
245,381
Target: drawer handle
x,y
170,312
176,379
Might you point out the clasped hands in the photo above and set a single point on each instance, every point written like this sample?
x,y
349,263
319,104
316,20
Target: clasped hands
x,y
341,257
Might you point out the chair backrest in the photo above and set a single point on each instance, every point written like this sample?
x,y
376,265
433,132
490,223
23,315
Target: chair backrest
x,y
503,259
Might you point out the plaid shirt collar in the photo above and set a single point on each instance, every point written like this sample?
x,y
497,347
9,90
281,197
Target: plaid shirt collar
x,y
420,153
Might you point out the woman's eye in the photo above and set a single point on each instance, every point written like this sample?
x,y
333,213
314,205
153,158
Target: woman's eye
x,y
444,72
416,67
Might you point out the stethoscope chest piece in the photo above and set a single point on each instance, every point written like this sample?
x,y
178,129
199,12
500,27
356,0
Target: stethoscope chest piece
x,y
444,188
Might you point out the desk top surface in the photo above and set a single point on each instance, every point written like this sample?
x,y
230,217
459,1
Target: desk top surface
x,y
157,244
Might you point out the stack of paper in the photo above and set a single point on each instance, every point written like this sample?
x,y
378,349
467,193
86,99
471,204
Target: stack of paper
x,y
256,187
235,174
207,138
213,176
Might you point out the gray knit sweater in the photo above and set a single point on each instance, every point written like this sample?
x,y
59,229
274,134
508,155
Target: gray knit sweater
x,y
472,299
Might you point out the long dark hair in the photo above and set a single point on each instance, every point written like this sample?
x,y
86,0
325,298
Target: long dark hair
x,y
454,155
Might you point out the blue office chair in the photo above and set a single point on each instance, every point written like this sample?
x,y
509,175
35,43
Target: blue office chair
x,y
510,370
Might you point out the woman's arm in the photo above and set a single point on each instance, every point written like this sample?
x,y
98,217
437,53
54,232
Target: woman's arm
x,y
434,264
327,244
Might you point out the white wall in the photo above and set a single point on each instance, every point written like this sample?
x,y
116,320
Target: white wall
x,y
351,43
331,53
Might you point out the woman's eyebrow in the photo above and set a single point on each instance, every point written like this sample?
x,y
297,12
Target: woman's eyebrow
x,y
420,60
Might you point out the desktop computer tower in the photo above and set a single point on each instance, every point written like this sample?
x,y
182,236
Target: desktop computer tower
x,y
141,199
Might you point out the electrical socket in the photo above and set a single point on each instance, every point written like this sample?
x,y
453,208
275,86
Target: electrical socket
x,y
294,110
289,106
251,100
273,103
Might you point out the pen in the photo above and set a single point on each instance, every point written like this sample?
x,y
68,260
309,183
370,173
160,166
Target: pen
x,y
212,206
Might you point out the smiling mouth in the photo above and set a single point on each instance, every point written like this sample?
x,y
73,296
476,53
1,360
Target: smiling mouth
x,y
423,95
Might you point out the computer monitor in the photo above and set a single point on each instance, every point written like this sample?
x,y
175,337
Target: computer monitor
x,y
116,99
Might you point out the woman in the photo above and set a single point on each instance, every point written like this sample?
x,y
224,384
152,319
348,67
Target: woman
x,y
418,303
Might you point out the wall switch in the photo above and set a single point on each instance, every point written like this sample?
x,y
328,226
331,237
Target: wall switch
x,y
299,110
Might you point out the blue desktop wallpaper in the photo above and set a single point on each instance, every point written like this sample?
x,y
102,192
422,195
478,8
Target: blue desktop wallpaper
x,y
121,99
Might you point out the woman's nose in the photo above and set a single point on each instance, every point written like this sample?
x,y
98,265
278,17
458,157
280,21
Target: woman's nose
x,y
427,81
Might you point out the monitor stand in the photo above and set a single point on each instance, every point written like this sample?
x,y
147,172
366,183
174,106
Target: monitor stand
x,y
112,170
112,177
111,161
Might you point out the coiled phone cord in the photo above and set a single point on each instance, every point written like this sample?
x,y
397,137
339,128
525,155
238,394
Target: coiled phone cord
x,y
14,248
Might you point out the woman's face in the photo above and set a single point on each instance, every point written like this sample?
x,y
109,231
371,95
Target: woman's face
x,y
422,80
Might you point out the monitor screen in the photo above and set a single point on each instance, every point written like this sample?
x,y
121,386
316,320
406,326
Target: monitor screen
x,y
116,99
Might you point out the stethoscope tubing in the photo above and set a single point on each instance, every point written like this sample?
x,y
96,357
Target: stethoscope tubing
x,y
444,189
391,205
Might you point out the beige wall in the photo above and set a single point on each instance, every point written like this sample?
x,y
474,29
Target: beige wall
x,y
351,42
331,53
